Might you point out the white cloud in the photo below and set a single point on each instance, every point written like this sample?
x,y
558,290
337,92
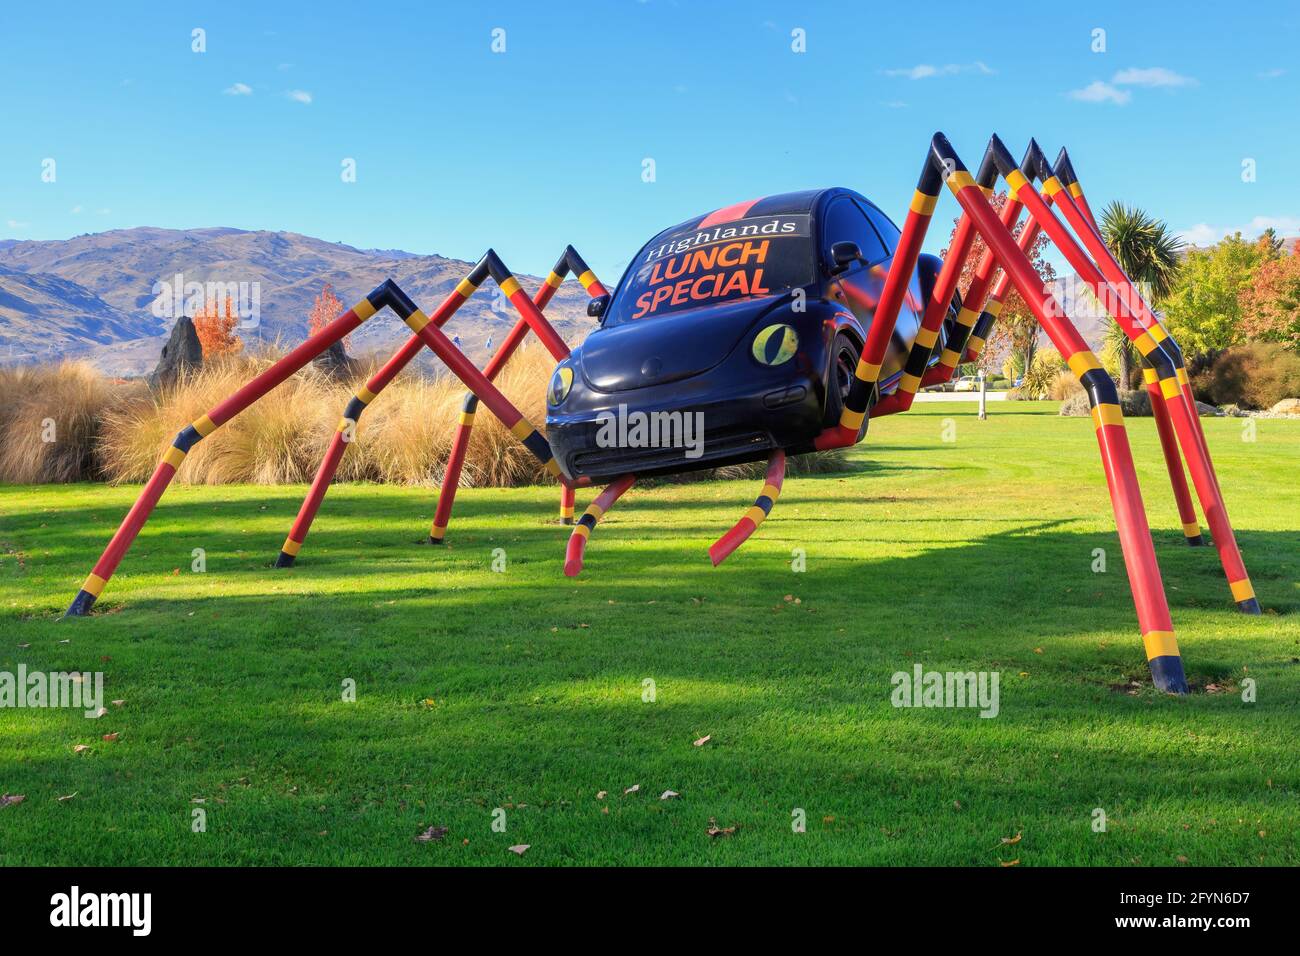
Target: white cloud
x,y
1272,74
1151,76
923,71
15,224
1099,92
76,210
299,96
895,105
238,89
1204,234
103,212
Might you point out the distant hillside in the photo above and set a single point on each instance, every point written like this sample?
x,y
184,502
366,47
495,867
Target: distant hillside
x,y
41,312
91,296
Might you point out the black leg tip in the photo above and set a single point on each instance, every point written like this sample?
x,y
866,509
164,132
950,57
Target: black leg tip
x,y
1249,606
1197,541
285,560
433,540
80,605
568,520
1167,674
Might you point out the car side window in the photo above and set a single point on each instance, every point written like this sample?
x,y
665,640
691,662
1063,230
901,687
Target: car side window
x,y
888,231
843,221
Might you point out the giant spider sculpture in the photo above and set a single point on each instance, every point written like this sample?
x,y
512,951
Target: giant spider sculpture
x,y
785,324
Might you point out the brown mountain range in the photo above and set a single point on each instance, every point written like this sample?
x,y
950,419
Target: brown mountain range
x,y
92,296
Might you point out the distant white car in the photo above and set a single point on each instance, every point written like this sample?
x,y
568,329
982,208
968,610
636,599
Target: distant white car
x,y
967,383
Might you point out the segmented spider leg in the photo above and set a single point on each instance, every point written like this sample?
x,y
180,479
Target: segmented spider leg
x,y
587,523
1064,170
217,416
347,429
570,263
721,549
867,372
1121,297
1108,420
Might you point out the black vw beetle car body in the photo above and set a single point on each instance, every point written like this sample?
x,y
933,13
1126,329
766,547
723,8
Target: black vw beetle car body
x,y
730,335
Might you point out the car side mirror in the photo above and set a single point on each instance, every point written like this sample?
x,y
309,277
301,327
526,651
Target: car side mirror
x,y
596,307
844,254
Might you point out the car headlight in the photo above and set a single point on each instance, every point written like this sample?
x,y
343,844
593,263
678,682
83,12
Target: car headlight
x,y
775,345
561,382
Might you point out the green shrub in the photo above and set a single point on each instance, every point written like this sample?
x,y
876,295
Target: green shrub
x,y
1256,375
1042,375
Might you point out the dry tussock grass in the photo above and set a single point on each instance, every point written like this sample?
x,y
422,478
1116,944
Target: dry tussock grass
x,y
119,431
50,419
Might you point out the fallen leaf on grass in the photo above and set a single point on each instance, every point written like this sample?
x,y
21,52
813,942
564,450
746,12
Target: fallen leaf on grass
x,y
632,789
8,799
431,834
669,794
80,748
118,703
702,741
23,647
716,831
520,848
101,712
1012,841
68,797
110,737
601,795
1015,862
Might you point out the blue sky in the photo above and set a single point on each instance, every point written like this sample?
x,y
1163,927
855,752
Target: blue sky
x,y
458,148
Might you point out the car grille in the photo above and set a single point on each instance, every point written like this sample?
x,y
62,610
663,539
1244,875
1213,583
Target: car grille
x,y
718,446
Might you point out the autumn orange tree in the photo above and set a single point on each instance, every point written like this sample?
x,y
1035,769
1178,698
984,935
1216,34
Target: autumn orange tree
x,y
1270,305
1016,331
325,310
215,327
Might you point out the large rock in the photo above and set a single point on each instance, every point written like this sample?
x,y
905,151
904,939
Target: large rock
x,y
335,362
1134,404
1208,411
1288,406
183,351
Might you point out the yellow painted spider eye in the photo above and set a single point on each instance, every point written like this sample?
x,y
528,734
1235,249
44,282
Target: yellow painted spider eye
x,y
561,382
775,345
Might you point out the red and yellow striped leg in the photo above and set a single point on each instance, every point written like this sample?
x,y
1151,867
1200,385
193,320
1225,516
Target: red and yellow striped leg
x,y
200,429
721,549
1146,332
936,310
867,372
587,523
465,425
315,495
1117,460
451,475
351,416
1173,460
974,308
569,262
477,382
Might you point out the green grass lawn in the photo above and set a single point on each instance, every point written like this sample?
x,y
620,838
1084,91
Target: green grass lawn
x,y
523,690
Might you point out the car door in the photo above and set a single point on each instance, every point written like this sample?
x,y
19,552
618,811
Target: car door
x,y
859,286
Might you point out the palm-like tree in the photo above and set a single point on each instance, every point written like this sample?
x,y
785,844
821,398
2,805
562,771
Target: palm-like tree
x,y
1149,253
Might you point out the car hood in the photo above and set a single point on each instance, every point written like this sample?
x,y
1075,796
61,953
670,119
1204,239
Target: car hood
x,y
665,349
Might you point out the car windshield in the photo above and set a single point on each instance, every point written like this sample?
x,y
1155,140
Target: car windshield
x,y
689,267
